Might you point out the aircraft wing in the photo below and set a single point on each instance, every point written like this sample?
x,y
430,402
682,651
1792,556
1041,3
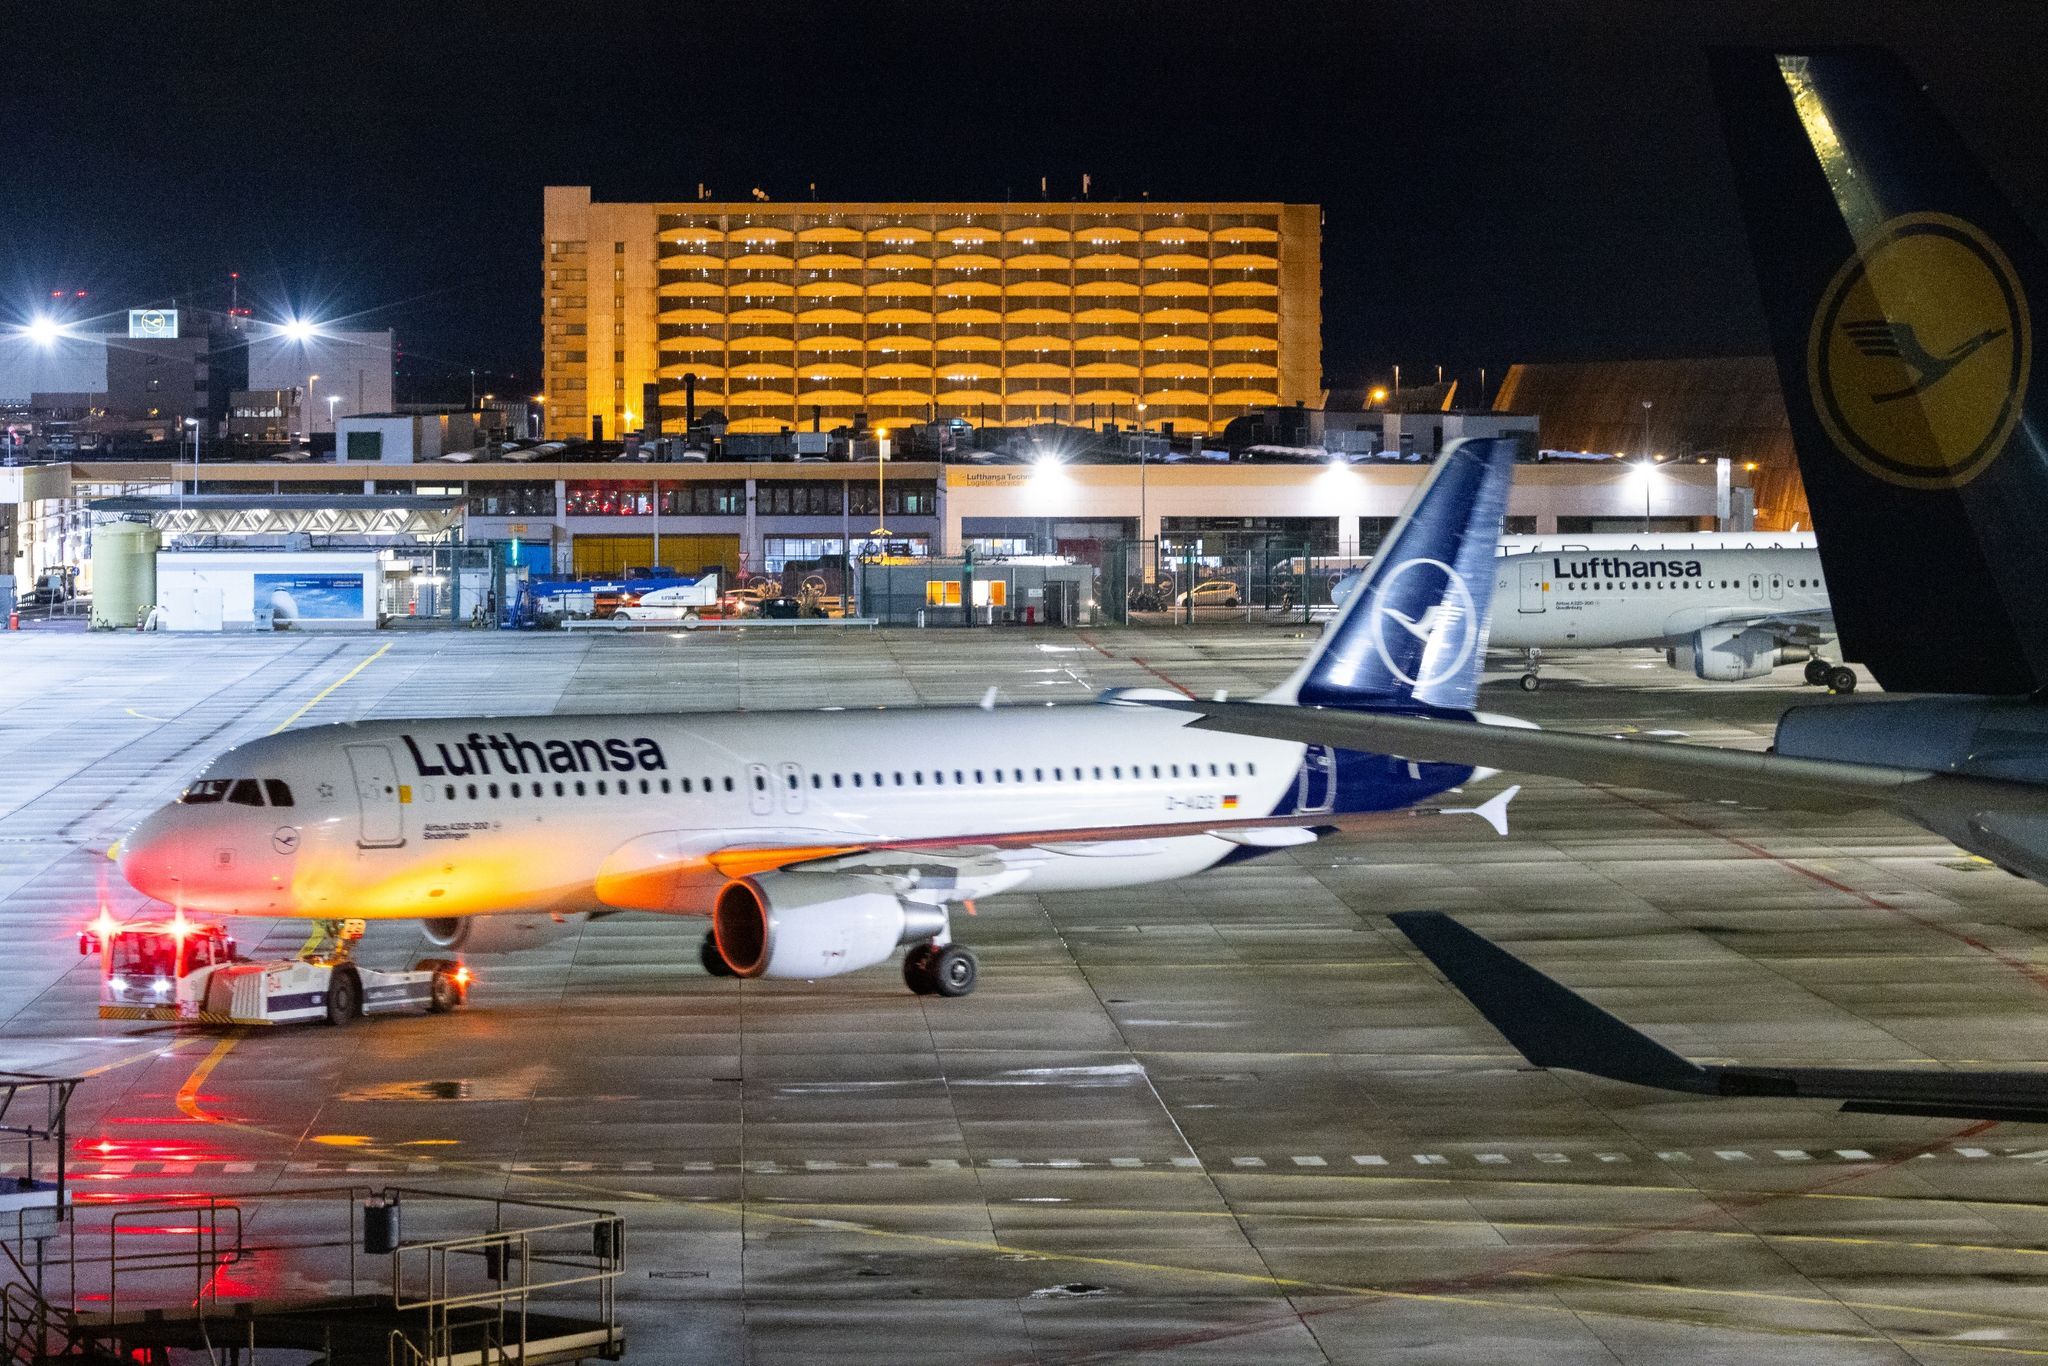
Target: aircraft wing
x,y
1795,626
1725,775
677,871
1553,1026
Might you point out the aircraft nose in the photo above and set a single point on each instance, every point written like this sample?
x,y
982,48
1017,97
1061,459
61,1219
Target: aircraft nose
x,y
148,857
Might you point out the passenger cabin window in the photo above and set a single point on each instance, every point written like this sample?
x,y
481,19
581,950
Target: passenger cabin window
x,y
279,792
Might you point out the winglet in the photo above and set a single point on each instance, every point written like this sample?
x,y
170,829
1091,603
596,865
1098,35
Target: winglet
x,y
1548,1024
1494,810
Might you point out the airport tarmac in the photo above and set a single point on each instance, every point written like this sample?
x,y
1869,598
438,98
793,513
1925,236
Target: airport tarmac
x,y
1234,1118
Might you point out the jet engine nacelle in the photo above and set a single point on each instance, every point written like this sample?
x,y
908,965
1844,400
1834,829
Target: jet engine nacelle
x,y
813,925
499,933
1726,654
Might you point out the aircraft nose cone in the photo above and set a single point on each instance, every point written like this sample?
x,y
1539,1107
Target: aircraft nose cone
x,y
147,858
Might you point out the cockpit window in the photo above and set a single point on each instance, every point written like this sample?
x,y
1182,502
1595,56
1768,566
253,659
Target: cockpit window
x,y
245,792
205,790
280,792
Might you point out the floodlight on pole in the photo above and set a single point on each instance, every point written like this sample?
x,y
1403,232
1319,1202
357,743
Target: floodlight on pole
x,y
44,330
298,329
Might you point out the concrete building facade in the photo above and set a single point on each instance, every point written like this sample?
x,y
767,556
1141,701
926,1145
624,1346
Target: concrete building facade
x,y
746,518
794,315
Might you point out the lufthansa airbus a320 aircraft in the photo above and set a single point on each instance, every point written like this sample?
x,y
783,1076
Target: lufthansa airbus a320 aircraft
x,y
818,843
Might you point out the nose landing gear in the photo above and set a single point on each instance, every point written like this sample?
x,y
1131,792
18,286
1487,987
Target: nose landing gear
x,y
1531,681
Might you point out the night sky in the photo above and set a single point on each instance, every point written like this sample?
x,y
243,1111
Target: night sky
x,y
1502,181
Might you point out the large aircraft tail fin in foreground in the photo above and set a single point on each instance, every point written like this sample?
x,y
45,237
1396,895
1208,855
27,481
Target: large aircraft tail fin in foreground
x,y
1898,281
1553,1026
1413,634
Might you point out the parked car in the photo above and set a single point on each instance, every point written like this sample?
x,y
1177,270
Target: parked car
x,y
1213,593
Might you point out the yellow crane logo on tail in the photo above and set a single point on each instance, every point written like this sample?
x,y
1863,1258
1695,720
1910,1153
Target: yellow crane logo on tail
x,y
1919,354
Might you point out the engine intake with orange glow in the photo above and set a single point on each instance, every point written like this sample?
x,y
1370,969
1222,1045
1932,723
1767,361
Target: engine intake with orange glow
x,y
813,925
499,933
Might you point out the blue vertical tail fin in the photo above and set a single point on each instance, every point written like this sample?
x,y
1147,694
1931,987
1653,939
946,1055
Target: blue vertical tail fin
x,y
1414,632
1896,278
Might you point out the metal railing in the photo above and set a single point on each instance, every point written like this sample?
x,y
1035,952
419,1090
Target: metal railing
x,y
509,1260
467,1297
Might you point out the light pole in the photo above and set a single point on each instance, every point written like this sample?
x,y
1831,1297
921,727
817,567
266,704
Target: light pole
x,y
332,399
307,415
1143,461
881,489
192,426
1649,467
539,415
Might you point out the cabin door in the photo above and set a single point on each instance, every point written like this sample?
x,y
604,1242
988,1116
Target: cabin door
x,y
377,796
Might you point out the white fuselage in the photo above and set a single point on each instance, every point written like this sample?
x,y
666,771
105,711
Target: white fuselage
x,y
448,818
1571,600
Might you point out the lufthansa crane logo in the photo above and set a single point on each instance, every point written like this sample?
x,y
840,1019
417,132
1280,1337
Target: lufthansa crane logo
x,y
1919,355
1444,630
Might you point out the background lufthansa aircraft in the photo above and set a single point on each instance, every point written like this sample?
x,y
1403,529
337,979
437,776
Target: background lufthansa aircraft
x,y
818,843
1928,490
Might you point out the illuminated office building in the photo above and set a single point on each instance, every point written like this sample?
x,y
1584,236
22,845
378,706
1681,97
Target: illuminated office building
x,y
802,315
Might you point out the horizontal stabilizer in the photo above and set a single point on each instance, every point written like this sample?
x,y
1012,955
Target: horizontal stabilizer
x,y
1494,810
1552,1026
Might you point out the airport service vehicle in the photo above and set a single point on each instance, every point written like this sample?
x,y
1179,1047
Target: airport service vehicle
x,y
1722,614
821,842
1895,276
680,602
189,972
1214,593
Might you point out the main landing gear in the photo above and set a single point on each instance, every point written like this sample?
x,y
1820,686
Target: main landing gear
x,y
940,969
1833,677
1530,680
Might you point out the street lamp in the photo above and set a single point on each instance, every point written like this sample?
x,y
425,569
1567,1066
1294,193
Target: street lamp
x,y
307,415
1649,467
1142,462
539,401
332,399
881,489
192,426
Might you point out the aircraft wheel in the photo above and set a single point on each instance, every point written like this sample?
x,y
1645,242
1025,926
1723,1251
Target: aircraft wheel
x,y
344,997
714,961
1530,682
954,970
1817,672
1841,678
917,970
444,993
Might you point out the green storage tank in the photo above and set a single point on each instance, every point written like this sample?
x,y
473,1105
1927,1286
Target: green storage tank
x,y
123,573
